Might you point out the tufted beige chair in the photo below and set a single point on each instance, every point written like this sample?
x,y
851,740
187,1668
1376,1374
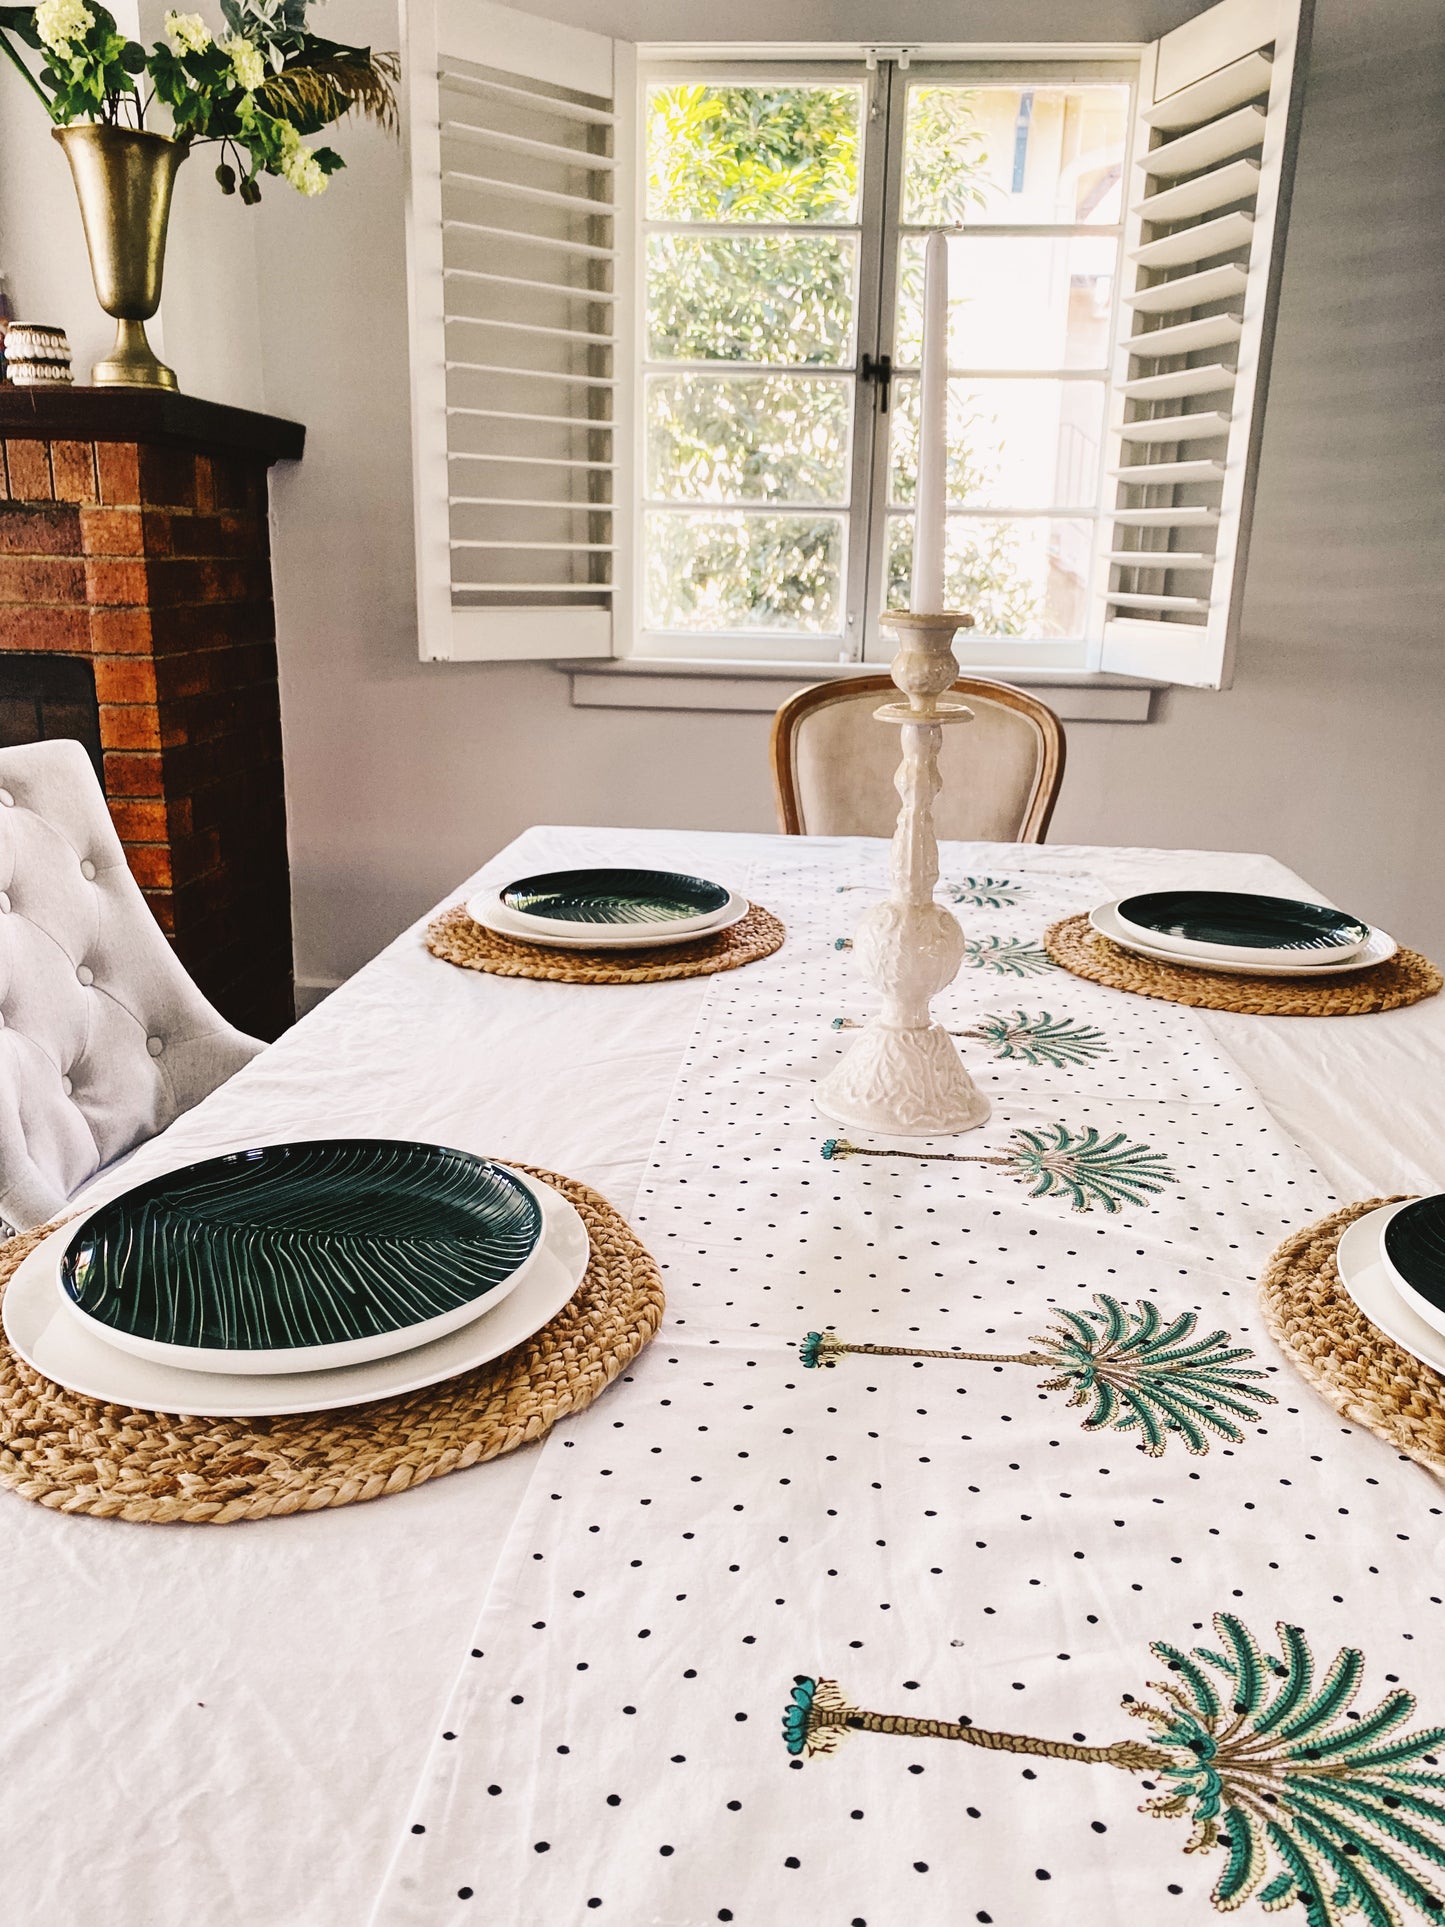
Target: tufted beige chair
x,y
103,1036
833,765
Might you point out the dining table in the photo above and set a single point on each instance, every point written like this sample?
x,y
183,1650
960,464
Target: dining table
x,y
557,1686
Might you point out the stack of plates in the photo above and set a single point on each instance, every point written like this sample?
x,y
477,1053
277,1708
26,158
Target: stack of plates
x,y
608,909
296,1278
1242,935
1392,1263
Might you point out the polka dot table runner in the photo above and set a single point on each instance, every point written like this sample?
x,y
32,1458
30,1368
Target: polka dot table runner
x,y
962,1550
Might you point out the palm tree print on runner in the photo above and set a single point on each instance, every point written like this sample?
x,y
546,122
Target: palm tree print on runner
x,y
991,893
1085,1166
1134,1372
1007,956
1061,1042
984,893
1308,1801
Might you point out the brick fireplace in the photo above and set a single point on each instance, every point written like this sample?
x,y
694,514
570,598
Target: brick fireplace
x,y
134,544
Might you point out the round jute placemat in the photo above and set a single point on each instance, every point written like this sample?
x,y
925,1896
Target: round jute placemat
x,y
1407,977
1367,1377
75,1454
456,939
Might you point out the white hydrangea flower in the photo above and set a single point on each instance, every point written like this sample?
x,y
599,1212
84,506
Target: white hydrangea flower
x,y
59,22
246,62
301,167
189,31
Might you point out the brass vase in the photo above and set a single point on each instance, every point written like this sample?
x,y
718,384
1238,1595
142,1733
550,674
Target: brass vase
x,y
123,179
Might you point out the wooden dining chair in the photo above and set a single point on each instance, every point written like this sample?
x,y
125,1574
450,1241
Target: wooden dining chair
x,y
833,765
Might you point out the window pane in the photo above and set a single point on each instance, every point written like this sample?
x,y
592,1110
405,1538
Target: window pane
x,y
744,572
749,438
1027,577
1010,153
1011,444
753,153
766,297
1015,302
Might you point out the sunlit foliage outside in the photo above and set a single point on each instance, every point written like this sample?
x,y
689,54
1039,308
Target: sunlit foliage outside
x,y
723,446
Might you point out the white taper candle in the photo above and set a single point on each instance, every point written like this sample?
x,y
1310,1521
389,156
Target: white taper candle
x,y
930,522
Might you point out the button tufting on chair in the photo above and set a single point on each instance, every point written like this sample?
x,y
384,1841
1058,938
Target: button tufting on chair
x,y
105,1017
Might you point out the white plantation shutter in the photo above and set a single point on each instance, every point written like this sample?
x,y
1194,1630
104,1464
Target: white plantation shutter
x,y
519,258
1203,245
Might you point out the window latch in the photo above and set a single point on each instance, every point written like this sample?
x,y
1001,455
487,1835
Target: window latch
x,y
879,370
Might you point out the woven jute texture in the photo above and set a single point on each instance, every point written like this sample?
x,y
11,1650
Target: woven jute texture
x,y
1366,1376
1405,979
78,1455
456,939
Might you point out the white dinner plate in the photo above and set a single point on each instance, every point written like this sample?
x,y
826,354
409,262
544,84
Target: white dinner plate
x,y
63,1349
304,1359
1228,910
492,914
1360,1261
623,895
1423,1307
1378,949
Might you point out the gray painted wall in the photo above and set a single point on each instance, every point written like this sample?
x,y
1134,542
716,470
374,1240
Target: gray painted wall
x,y
1326,752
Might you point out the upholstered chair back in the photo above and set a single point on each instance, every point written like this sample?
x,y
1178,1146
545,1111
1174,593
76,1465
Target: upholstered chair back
x,y
103,1036
833,764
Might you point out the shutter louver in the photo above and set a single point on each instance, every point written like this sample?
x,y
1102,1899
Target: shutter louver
x,y
521,514
1205,229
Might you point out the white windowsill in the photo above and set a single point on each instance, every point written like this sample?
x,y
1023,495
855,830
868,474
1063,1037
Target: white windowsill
x,y
1075,695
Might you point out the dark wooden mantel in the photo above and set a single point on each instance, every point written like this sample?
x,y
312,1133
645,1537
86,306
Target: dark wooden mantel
x,y
156,417
134,539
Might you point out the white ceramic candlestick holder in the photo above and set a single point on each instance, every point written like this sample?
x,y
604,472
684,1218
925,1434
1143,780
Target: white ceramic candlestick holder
x,y
903,1076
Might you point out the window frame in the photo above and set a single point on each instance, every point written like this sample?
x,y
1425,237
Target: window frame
x,y
886,81
673,645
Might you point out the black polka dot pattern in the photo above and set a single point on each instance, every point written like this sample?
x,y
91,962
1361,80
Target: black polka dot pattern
x,y
938,1534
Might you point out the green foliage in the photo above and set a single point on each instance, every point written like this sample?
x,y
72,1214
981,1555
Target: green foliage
x,y
258,93
742,572
1059,1041
1087,1167
747,438
81,77
753,153
750,297
787,154
944,158
1135,1373
1282,1774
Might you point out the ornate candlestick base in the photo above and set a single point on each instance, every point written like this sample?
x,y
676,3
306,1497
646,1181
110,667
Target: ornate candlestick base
x,y
904,1075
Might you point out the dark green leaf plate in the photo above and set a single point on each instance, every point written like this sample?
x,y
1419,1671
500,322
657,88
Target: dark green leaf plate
x,y
576,901
1414,1253
301,1257
1241,928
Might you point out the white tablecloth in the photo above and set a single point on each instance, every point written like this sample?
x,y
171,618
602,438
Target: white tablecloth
x,y
211,1725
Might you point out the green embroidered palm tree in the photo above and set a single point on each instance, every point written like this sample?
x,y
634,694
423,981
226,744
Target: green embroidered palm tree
x,y
985,893
1008,956
1084,1165
1061,1042
1309,1801
1133,1372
